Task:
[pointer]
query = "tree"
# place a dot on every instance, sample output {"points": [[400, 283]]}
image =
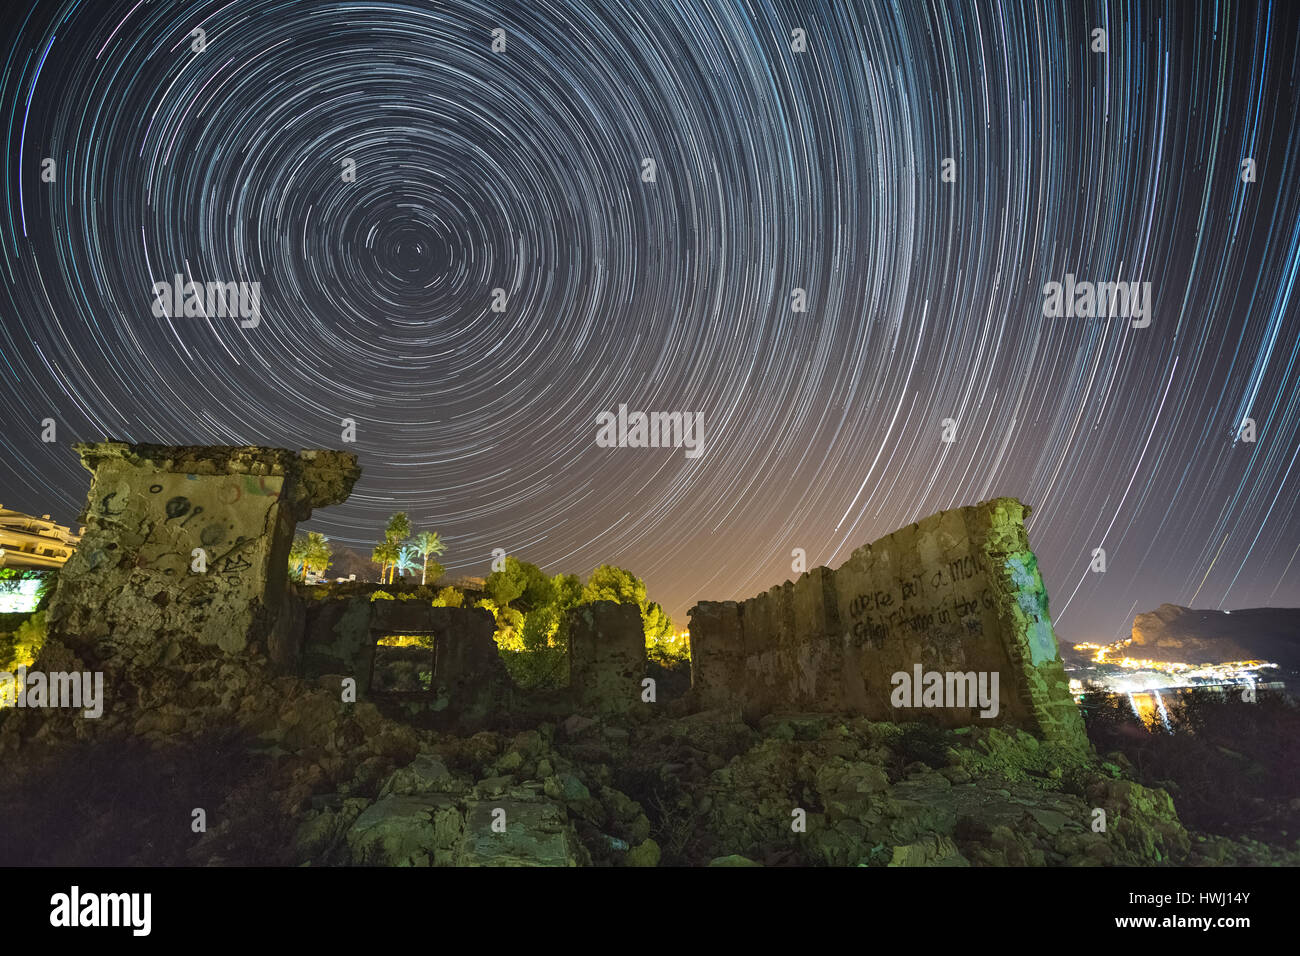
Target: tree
{"points": [[406, 559], [399, 527], [384, 555], [502, 587], [428, 543], [319, 553], [297, 551], [309, 552], [449, 597], [520, 583], [657, 623], [610, 583], [509, 624], [568, 590], [387, 553]]}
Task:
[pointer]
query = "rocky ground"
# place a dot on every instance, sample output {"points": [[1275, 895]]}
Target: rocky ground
{"points": [[708, 789], [287, 775]]}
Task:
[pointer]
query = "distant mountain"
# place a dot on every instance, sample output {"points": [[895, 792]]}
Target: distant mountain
{"points": [[1174, 633], [346, 561]]}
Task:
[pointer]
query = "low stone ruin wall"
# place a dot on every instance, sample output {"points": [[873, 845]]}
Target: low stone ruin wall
{"points": [[958, 593], [469, 683], [607, 661], [468, 680], [180, 586]]}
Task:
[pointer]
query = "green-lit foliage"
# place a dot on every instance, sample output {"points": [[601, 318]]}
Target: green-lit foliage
{"points": [[520, 584], [568, 590], [670, 650], [610, 583], [20, 649], [450, 597], [530, 613], [309, 552]]}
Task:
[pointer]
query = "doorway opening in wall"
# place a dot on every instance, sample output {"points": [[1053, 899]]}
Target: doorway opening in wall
{"points": [[403, 665]]}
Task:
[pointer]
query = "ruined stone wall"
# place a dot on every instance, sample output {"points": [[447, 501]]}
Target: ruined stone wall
{"points": [[469, 681], [957, 592], [179, 591], [133, 593], [470, 685], [607, 659], [337, 639]]}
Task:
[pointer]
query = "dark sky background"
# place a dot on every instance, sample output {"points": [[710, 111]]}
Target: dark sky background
{"points": [[775, 170]]}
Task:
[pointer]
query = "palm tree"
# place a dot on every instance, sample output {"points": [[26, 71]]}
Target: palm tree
{"points": [[317, 553], [297, 557], [384, 555], [397, 531], [406, 560], [428, 543], [310, 552]]}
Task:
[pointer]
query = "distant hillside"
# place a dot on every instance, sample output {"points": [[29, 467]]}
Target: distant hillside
{"points": [[1173, 633], [346, 561]]}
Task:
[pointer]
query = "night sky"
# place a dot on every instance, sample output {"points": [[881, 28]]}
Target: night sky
{"points": [[775, 170]]}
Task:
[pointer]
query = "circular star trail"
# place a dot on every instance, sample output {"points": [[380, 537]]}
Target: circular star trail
{"points": [[460, 247]]}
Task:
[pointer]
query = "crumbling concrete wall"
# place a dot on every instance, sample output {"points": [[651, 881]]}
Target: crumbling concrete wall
{"points": [[607, 659], [337, 639], [189, 545], [470, 684], [958, 592], [469, 681]]}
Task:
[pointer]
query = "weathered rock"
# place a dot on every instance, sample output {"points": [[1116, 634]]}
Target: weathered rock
{"points": [[426, 774], [534, 834], [399, 830], [643, 854], [133, 583], [576, 724], [568, 788], [323, 829], [1140, 820], [929, 851]]}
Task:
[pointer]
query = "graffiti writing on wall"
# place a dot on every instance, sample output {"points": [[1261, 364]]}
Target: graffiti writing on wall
{"points": [[946, 598], [179, 513]]}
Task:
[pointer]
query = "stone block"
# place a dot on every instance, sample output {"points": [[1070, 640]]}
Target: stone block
{"points": [[606, 656]]}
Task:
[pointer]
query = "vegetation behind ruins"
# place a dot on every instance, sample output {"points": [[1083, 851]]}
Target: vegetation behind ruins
{"points": [[1231, 766]]}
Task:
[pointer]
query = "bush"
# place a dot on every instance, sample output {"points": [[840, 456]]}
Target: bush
{"points": [[20, 648], [670, 650], [450, 597], [1232, 766]]}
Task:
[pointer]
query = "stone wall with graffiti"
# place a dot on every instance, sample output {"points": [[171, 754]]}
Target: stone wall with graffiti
{"points": [[957, 593], [189, 545]]}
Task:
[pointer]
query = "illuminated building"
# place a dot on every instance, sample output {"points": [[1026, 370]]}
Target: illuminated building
{"points": [[34, 543]]}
